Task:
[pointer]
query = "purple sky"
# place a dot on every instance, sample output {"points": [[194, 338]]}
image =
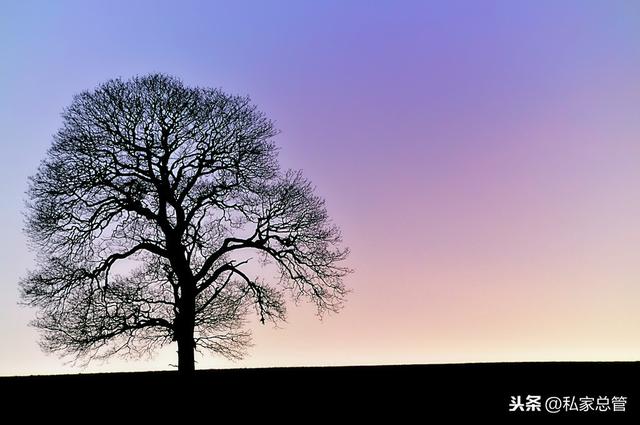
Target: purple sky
{"points": [[482, 159]]}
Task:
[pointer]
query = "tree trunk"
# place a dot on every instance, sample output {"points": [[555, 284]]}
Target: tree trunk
{"points": [[184, 334], [184, 322], [186, 360]]}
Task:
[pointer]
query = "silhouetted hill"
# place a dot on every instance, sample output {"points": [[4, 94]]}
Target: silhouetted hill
{"points": [[330, 393]]}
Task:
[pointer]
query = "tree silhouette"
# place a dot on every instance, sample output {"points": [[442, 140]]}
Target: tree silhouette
{"points": [[144, 216]]}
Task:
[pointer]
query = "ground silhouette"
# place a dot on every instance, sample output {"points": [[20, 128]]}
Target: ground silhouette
{"points": [[481, 390]]}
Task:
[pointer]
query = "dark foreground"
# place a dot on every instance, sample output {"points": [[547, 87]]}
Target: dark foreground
{"points": [[334, 394]]}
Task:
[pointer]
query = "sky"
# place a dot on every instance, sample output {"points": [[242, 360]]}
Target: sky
{"points": [[481, 158]]}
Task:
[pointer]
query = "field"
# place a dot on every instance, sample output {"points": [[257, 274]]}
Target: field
{"points": [[336, 393]]}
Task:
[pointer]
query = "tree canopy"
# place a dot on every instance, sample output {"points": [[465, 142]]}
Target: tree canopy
{"points": [[156, 216]]}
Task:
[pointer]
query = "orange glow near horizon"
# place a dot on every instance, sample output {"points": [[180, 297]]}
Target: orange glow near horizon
{"points": [[484, 166]]}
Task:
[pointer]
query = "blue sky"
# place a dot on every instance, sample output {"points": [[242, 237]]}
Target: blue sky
{"points": [[481, 157]]}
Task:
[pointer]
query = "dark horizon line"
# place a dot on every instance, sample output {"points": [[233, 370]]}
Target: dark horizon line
{"points": [[353, 366]]}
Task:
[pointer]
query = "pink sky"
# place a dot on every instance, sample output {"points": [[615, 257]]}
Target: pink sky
{"points": [[482, 161]]}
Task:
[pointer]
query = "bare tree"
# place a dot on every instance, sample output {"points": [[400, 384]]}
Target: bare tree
{"points": [[144, 216]]}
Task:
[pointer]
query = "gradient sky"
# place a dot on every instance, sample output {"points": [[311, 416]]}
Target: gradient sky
{"points": [[482, 159]]}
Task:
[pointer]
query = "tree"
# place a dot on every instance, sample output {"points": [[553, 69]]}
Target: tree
{"points": [[144, 215]]}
